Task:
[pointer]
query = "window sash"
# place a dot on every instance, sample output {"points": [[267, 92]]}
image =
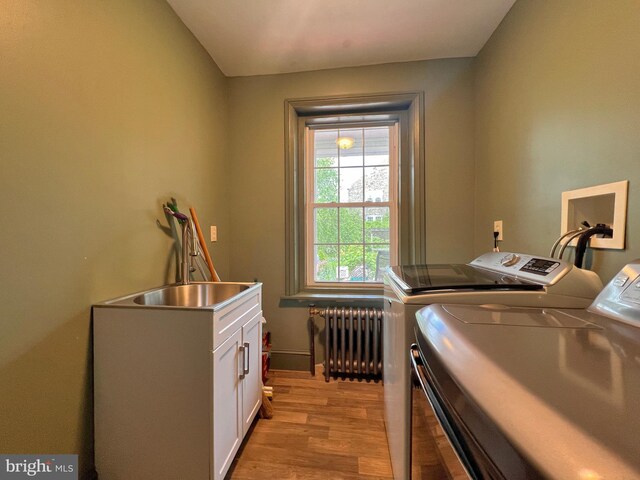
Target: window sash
{"points": [[312, 205]]}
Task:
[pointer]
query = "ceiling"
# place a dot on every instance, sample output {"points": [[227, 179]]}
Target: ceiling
{"points": [[258, 37]]}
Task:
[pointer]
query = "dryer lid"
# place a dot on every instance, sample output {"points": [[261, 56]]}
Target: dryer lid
{"points": [[424, 278]]}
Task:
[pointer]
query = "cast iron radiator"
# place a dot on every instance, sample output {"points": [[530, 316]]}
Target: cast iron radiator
{"points": [[353, 342]]}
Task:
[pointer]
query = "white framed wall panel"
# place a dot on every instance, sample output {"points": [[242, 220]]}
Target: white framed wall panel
{"points": [[605, 203]]}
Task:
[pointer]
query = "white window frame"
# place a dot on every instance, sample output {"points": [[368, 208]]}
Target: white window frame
{"points": [[310, 203]]}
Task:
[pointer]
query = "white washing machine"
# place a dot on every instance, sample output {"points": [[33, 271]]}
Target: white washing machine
{"points": [[493, 278], [526, 393]]}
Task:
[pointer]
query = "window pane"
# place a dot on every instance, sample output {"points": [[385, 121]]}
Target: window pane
{"points": [[376, 260], [325, 148], [351, 184], [376, 146], [326, 225], [326, 263], [376, 225], [351, 226], [326, 188], [351, 263], [352, 156], [376, 184]]}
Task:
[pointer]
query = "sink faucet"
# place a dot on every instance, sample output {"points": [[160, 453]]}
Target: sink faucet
{"points": [[189, 250], [189, 245]]}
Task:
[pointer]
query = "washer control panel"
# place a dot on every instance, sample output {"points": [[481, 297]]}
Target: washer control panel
{"points": [[540, 266], [536, 269]]}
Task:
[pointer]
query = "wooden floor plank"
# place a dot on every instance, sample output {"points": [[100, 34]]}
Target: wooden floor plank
{"points": [[360, 446], [305, 399], [356, 424], [293, 428], [374, 466], [346, 412], [292, 417]]}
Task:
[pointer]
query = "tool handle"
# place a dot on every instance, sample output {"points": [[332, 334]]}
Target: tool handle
{"points": [[207, 257]]}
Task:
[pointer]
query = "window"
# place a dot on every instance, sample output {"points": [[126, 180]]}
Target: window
{"points": [[351, 203], [352, 211]]}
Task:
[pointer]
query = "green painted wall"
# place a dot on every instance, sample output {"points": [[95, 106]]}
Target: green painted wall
{"points": [[107, 110], [256, 155], [557, 106]]}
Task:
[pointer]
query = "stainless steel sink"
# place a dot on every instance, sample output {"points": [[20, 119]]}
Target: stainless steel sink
{"points": [[192, 295]]}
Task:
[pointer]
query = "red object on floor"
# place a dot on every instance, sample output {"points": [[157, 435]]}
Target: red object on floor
{"points": [[266, 355]]}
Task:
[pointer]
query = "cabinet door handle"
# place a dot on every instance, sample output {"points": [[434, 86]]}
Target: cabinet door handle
{"points": [[247, 361], [244, 361]]}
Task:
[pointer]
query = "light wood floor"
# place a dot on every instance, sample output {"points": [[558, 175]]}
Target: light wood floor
{"points": [[318, 431]]}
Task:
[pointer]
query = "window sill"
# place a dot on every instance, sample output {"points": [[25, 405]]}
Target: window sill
{"points": [[326, 299]]}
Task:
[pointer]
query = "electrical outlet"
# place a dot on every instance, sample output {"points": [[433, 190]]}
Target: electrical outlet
{"points": [[214, 233], [497, 227]]}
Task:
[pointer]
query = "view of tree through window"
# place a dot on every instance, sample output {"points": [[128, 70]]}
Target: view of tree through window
{"points": [[350, 204]]}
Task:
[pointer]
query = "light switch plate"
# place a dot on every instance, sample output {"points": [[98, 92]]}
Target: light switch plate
{"points": [[214, 233]]}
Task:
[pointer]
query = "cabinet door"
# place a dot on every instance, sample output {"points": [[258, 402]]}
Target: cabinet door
{"points": [[252, 383], [227, 406]]}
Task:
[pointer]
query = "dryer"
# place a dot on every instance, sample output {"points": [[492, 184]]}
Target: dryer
{"points": [[493, 278], [538, 392]]}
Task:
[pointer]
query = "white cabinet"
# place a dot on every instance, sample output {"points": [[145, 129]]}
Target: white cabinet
{"points": [[175, 389], [237, 391]]}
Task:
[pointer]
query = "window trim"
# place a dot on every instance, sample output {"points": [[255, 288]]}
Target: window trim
{"points": [[408, 108]]}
